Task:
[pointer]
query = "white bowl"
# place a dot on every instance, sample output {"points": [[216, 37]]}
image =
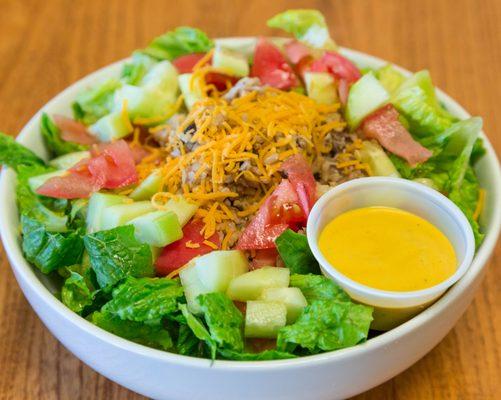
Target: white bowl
{"points": [[393, 308], [163, 375]]}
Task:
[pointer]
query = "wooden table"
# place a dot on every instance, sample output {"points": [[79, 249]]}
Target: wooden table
{"points": [[46, 45]]}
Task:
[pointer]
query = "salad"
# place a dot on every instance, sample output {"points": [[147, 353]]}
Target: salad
{"points": [[174, 204]]}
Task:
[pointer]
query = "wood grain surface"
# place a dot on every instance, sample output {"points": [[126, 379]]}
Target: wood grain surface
{"points": [[47, 45]]}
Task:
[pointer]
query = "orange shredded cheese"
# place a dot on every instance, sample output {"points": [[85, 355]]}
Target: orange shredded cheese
{"points": [[191, 245], [210, 244]]}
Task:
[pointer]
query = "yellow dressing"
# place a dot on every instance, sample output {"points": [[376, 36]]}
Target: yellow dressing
{"points": [[387, 248]]}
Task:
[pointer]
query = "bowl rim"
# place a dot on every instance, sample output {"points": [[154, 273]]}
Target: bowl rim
{"points": [[381, 295], [23, 270]]}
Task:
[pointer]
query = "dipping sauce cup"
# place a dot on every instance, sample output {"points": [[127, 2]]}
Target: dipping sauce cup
{"points": [[391, 308]]}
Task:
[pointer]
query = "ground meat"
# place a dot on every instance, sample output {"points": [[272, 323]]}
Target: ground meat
{"points": [[242, 87]]}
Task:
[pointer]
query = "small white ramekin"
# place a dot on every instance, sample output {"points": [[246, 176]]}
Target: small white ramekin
{"points": [[392, 308]]}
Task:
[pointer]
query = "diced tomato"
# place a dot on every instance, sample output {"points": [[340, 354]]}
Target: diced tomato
{"points": [[185, 64], [111, 166], [220, 81], [271, 67], [296, 51], [384, 126], [138, 152], [264, 258], [241, 305], [176, 254], [337, 65], [301, 178], [343, 88], [303, 65], [258, 345], [73, 131]]}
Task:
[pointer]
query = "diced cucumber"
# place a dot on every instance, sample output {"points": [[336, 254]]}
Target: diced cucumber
{"points": [[122, 214], [230, 62], [97, 203], [147, 188], [158, 228], [380, 164], [320, 87], [36, 181], [190, 90], [155, 252], [250, 285], [162, 77], [263, 319], [182, 208], [69, 160], [366, 96], [427, 182], [142, 101], [211, 273], [111, 127], [291, 297]]}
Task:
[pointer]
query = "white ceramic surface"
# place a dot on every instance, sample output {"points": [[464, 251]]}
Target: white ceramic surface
{"points": [[162, 375], [406, 195]]}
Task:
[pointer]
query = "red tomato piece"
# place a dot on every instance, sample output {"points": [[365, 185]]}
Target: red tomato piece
{"points": [[73, 131], [337, 65], [185, 64], [111, 166], [271, 67], [176, 254], [220, 81], [299, 174], [384, 126], [296, 51], [264, 258]]}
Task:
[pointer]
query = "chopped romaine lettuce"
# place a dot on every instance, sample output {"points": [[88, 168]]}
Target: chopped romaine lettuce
{"points": [[224, 320], [390, 78], [145, 299], [14, 154], [75, 294], [115, 254], [149, 335], [318, 287], [134, 71], [306, 25], [52, 138], [295, 252], [326, 325], [95, 102], [265, 355], [199, 330], [49, 251], [417, 101], [179, 42], [188, 344]]}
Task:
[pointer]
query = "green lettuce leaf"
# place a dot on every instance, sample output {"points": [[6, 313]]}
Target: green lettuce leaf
{"points": [[224, 319], [295, 252], [145, 299], [265, 355], [134, 71], [306, 25], [115, 254], [417, 101], [14, 154], [188, 344], [390, 78], [326, 325], [32, 205], [179, 42], [95, 102], [149, 335], [199, 330], [52, 138], [318, 287], [49, 251], [75, 294]]}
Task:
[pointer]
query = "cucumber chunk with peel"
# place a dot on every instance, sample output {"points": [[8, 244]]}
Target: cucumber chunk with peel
{"points": [[191, 91], [158, 228], [321, 87], [36, 181], [230, 62], [98, 202], [147, 188], [111, 127], [122, 214], [182, 208], [380, 164], [250, 285], [291, 297], [365, 96], [69, 160], [263, 319], [211, 272]]}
